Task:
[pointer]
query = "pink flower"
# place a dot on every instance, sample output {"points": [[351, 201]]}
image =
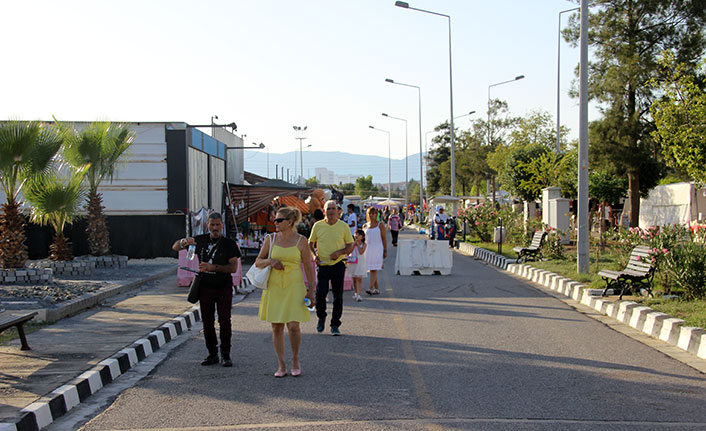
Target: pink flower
{"points": [[665, 251], [654, 250], [637, 258], [477, 223]]}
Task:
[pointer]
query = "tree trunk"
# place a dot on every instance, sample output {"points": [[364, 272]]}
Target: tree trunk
{"points": [[634, 195], [60, 248], [97, 229], [13, 251]]}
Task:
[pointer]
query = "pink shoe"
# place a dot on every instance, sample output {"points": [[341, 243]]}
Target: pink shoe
{"points": [[296, 372], [280, 374]]}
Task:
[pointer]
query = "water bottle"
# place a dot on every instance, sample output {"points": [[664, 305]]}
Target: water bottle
{"points": [[191, 252], [307, 302]]}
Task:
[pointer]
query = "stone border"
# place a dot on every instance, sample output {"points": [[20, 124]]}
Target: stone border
{"points": [[20, 276], [653, 323], [47, 409], [65, 267], [110, 261]]}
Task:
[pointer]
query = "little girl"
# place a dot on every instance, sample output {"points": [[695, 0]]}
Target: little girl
{"points": [[356, 264]]}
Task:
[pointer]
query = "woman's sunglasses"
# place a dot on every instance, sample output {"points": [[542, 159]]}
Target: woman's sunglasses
{"points": [[280, 219]]}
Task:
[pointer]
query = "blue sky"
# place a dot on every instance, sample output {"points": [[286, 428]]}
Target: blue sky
{"points": [[269, 65]]}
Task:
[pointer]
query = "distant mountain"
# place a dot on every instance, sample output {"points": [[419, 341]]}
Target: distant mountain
{"points": [[339, 162]]}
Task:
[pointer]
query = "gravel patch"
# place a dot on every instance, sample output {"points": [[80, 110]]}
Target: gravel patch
{"points": [[69, 287]]}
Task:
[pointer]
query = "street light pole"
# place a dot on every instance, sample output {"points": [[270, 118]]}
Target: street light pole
{"points": [[582, 262], [300, 133], [406, 171], [421, 156], [517, 78], [405, 5], [389, 164], [558, 87]]}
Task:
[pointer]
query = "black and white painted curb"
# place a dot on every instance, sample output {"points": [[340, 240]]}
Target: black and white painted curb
{"points": [[54, 405], [653, 323]]}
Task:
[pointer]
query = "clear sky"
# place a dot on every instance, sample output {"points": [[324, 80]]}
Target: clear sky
{"points": [[269, 65]]}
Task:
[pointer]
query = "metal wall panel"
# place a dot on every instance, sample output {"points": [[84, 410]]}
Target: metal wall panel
{"points": [[198, 179], [217, 178]]}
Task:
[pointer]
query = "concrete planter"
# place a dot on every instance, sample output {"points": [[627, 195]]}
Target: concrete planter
{"points": [[26, 276], [68, 267], [111, 261]]}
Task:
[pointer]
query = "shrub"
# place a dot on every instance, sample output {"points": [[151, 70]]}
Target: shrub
{"points": [[686, 266], [553, 248]]}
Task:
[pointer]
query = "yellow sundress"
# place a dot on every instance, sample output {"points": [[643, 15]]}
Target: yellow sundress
{"points": [[283, 300]]}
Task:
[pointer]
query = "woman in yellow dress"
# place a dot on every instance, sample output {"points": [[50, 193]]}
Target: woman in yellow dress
{"points": [[283, 300]]}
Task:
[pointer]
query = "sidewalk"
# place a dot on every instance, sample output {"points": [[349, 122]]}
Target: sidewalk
{"points": [[67, 349]]}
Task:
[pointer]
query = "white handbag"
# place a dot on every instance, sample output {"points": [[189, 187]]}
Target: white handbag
{"points": [[259, 276]]}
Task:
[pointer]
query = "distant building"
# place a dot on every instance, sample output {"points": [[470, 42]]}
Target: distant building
{"points": [[325, 176]]}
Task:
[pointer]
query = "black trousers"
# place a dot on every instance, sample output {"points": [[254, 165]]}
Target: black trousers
{"points": [[210, 300], [330, 274], [395, 233]]}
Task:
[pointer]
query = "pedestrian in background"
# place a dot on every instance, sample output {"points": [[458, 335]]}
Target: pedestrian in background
{"points": [[357, 267], [394, 223], [282, 303], [376, 252], [352, 219], [331, 241], [218, 259]]}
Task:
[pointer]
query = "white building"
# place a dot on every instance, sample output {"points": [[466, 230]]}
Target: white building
{"points": [[325, 176]]}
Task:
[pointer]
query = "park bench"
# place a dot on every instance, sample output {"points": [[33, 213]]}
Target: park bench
{"points": [[534, 251], [638, 273], [18, 322]]}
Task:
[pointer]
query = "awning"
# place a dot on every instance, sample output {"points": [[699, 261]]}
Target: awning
{"points": [[248, 200]]}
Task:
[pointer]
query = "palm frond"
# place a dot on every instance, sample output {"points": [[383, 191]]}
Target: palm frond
{"points": [[55, 200]]}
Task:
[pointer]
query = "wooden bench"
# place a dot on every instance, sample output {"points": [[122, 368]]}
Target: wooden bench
{"points": [[534, 251], [638, 273], [18, 322]]}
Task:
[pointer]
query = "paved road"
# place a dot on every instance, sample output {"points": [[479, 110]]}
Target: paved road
{"points": [[475, 350]]}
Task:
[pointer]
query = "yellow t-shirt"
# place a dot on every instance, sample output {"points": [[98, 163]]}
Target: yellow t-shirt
{"points": [[330, 238]]}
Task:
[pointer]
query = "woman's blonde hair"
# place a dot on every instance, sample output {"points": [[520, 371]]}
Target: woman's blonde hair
{"points": [[292, 214], [369, 212]]}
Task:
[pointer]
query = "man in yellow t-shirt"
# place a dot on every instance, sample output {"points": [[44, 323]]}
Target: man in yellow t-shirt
{"points": [[330, 241]]}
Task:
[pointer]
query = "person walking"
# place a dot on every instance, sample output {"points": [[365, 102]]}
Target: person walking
{"points": [[376, 253], [218, 259], [331, 241], [282, 303], [394, 223], [357, 267], [352, 219]]}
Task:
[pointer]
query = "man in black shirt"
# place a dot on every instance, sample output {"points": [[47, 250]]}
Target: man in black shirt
{"points": [[218, 257]]}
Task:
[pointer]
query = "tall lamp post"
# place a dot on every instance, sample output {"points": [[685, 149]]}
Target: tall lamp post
{"points": [[406, 168], [558, 74], [517, 78], [405, 5], [582, 258], [299, 133], [389, 164], [421, 156]]}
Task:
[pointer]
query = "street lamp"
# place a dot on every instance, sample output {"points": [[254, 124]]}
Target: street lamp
{"points": [[558, 73], [465, 115], [421, 157], [517, 78], [406, 169], [299, 133], [405, 5], [389, 164]]}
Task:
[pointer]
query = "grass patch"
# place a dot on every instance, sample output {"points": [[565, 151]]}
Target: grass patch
{"points": [[11, 333], [693, 312]]}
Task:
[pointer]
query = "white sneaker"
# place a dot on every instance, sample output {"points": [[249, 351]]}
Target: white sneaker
{"points": [[355, 295], [358, 298]]}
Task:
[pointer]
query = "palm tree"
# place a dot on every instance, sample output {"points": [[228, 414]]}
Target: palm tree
{"points": [[97, 147], [26, 149], [56, 201]]}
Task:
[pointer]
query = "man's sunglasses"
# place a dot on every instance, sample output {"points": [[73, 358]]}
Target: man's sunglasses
{"points": [[280, 219]]}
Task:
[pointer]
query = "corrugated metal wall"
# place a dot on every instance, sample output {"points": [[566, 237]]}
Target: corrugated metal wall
{"points": [[198, 179]]}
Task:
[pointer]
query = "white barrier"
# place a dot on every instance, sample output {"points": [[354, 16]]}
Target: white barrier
{"points": [[423, 256]]}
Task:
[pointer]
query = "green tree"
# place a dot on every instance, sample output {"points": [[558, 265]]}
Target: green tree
{"points": [[26, 150], [347, 188], [438, 161], [312, 182], [520, 175], [627, 37], [680, 119], [98, 148], [364, 187], [56, 201]]}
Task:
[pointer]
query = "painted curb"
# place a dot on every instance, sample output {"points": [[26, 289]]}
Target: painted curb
{"points": [[50, 407], [653, 323]]}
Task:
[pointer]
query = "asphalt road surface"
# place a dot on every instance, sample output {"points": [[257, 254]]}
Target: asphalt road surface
{"points": [[478, 349]]}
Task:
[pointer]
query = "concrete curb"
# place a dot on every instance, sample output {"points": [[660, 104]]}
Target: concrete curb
{"points": [[54, 405], [653, 323]]}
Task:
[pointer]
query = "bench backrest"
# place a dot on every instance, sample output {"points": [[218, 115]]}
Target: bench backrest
{"points": [[538, 239], [640, 259]]}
